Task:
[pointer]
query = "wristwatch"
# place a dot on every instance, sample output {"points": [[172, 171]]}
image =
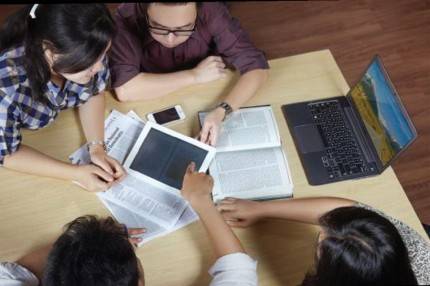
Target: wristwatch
{"points": [[102, 143], [227, 108]]}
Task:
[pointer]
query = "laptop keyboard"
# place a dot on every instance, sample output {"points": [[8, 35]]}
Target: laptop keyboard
{"points": [[343, 156]]}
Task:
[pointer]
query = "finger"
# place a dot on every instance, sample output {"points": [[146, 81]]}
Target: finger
{"points": [[204, 133], [220, 65], [229, 200], [116, 166], [217, 59], [135, 231], [135, 240], [213, 136], [191, 168], [104, 165], [234, 223], [101, 186], [102, 174], [226, 207]]}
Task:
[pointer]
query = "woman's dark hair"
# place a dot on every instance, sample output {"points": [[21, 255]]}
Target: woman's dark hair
{"points": [[94, 252], [360, 248], [78, 33]]}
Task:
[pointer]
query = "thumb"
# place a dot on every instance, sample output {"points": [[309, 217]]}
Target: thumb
{"points": [[191, 168]]}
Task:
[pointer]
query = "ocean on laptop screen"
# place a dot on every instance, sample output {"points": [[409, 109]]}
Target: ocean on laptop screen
{"points": [[381, 112]]}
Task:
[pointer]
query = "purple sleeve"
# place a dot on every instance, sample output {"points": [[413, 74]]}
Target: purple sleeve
{"points": [[126, 52], [232, 42]]}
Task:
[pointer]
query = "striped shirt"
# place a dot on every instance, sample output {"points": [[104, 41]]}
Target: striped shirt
{"points": [[18, 108]]}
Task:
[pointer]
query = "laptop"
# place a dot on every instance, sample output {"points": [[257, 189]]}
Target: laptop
{"points": [[352, 136]]}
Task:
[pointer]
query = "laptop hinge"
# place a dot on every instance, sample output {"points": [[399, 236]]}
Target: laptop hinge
{"points": [[367, 150]]}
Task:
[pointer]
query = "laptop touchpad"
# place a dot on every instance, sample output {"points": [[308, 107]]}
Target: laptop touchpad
{"points": [[308, 138]]}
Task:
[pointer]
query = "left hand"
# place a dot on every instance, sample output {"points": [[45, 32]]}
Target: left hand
{"points": [[100, 158], [212, 125]]}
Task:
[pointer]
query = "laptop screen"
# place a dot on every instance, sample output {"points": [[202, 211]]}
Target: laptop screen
{"points": [[383, 115]]}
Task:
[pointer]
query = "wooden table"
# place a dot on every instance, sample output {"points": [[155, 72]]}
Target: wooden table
{"points": [[34, 209]]}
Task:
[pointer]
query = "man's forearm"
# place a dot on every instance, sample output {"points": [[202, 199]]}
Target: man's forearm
{"points": [[246, 87], [146, 86]]}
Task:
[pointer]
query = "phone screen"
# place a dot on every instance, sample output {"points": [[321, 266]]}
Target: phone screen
{"points": [[166, 116]]}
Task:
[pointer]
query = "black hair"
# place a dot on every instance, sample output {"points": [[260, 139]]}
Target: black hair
{"points": [[92, 252], [360, 248], [78, 33]]}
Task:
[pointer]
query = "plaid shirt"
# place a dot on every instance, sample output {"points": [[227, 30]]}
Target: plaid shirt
{"points": [[17, 107]]}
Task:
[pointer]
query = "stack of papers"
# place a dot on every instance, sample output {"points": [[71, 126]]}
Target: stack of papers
{"points": [[135, 202]]}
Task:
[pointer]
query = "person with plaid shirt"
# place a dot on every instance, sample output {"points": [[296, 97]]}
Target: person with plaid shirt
{"points": [[53, 57]]}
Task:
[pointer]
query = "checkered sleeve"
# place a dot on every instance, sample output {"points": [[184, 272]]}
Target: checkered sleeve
{"points": [[103, 78], [10, 135]]}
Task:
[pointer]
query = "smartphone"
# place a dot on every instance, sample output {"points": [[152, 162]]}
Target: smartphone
{"points": [[167, 116]]}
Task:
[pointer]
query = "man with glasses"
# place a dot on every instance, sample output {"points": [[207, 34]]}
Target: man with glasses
{"points": [[161, 47]]}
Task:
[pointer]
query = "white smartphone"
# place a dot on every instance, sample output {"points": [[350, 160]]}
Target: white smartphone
{"points": [[167, 116]]}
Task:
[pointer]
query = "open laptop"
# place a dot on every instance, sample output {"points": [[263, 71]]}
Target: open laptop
{"points": [[351, 136]]}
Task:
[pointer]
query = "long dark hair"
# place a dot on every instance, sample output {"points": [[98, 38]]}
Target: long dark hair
{"points": [[92, 251], [79, 33], [360, 248]]}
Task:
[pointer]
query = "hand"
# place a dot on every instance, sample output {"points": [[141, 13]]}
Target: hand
{"points": [[212, 126], [107, 163], [135, 231], [92, 178], [211, 68], [238, 212], [197, 187]]}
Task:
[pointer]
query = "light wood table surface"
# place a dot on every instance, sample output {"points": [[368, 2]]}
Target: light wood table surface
{"points": [[33, 209]]}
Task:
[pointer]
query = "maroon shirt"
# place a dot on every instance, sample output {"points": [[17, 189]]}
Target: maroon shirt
{"points": [[217, 33]]}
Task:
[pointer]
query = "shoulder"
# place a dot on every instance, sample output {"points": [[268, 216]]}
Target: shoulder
{"points": [[15, 274], [418, 247], [13, 76], [209, 10], [234, 269]]}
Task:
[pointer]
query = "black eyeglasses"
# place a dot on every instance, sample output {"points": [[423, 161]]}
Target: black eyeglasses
{"points": [[165, 32]]}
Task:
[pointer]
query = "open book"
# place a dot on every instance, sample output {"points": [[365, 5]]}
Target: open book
{"points": [[141, 200], [250, 162]]}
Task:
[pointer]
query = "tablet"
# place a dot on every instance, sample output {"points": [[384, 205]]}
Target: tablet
{"points": [[163, 155]]}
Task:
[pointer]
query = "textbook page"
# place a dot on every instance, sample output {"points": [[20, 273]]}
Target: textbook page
{"points": [[251, 174], [248, 128], [153, 230], [146, 200]]}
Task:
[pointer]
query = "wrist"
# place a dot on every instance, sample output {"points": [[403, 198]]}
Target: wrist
{"points": [[192, 77], [96, 146], [201, 204]]}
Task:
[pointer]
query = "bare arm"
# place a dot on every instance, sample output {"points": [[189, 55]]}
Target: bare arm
{"points": [[244, 89], [31, 161], [242, 213], [196, 190], [92, 119], [150, 85]]}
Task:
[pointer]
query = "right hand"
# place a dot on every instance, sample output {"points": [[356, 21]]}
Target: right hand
{"points": [[211, 68], [93, 178], [197, 187], [239, 212]]}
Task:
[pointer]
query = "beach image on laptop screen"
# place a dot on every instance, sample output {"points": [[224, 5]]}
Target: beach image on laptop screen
{"points": [[382, 113]]}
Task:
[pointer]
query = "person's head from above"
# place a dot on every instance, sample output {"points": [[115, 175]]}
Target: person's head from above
{"points": [[68, 41], [170, 23], [93, 252], [359, 247]]}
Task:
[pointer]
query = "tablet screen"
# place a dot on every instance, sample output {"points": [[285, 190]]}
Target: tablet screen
{"points": [[165, 158]]}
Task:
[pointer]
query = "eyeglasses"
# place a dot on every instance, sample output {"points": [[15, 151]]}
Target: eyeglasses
{"points": [[165, 32]]}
